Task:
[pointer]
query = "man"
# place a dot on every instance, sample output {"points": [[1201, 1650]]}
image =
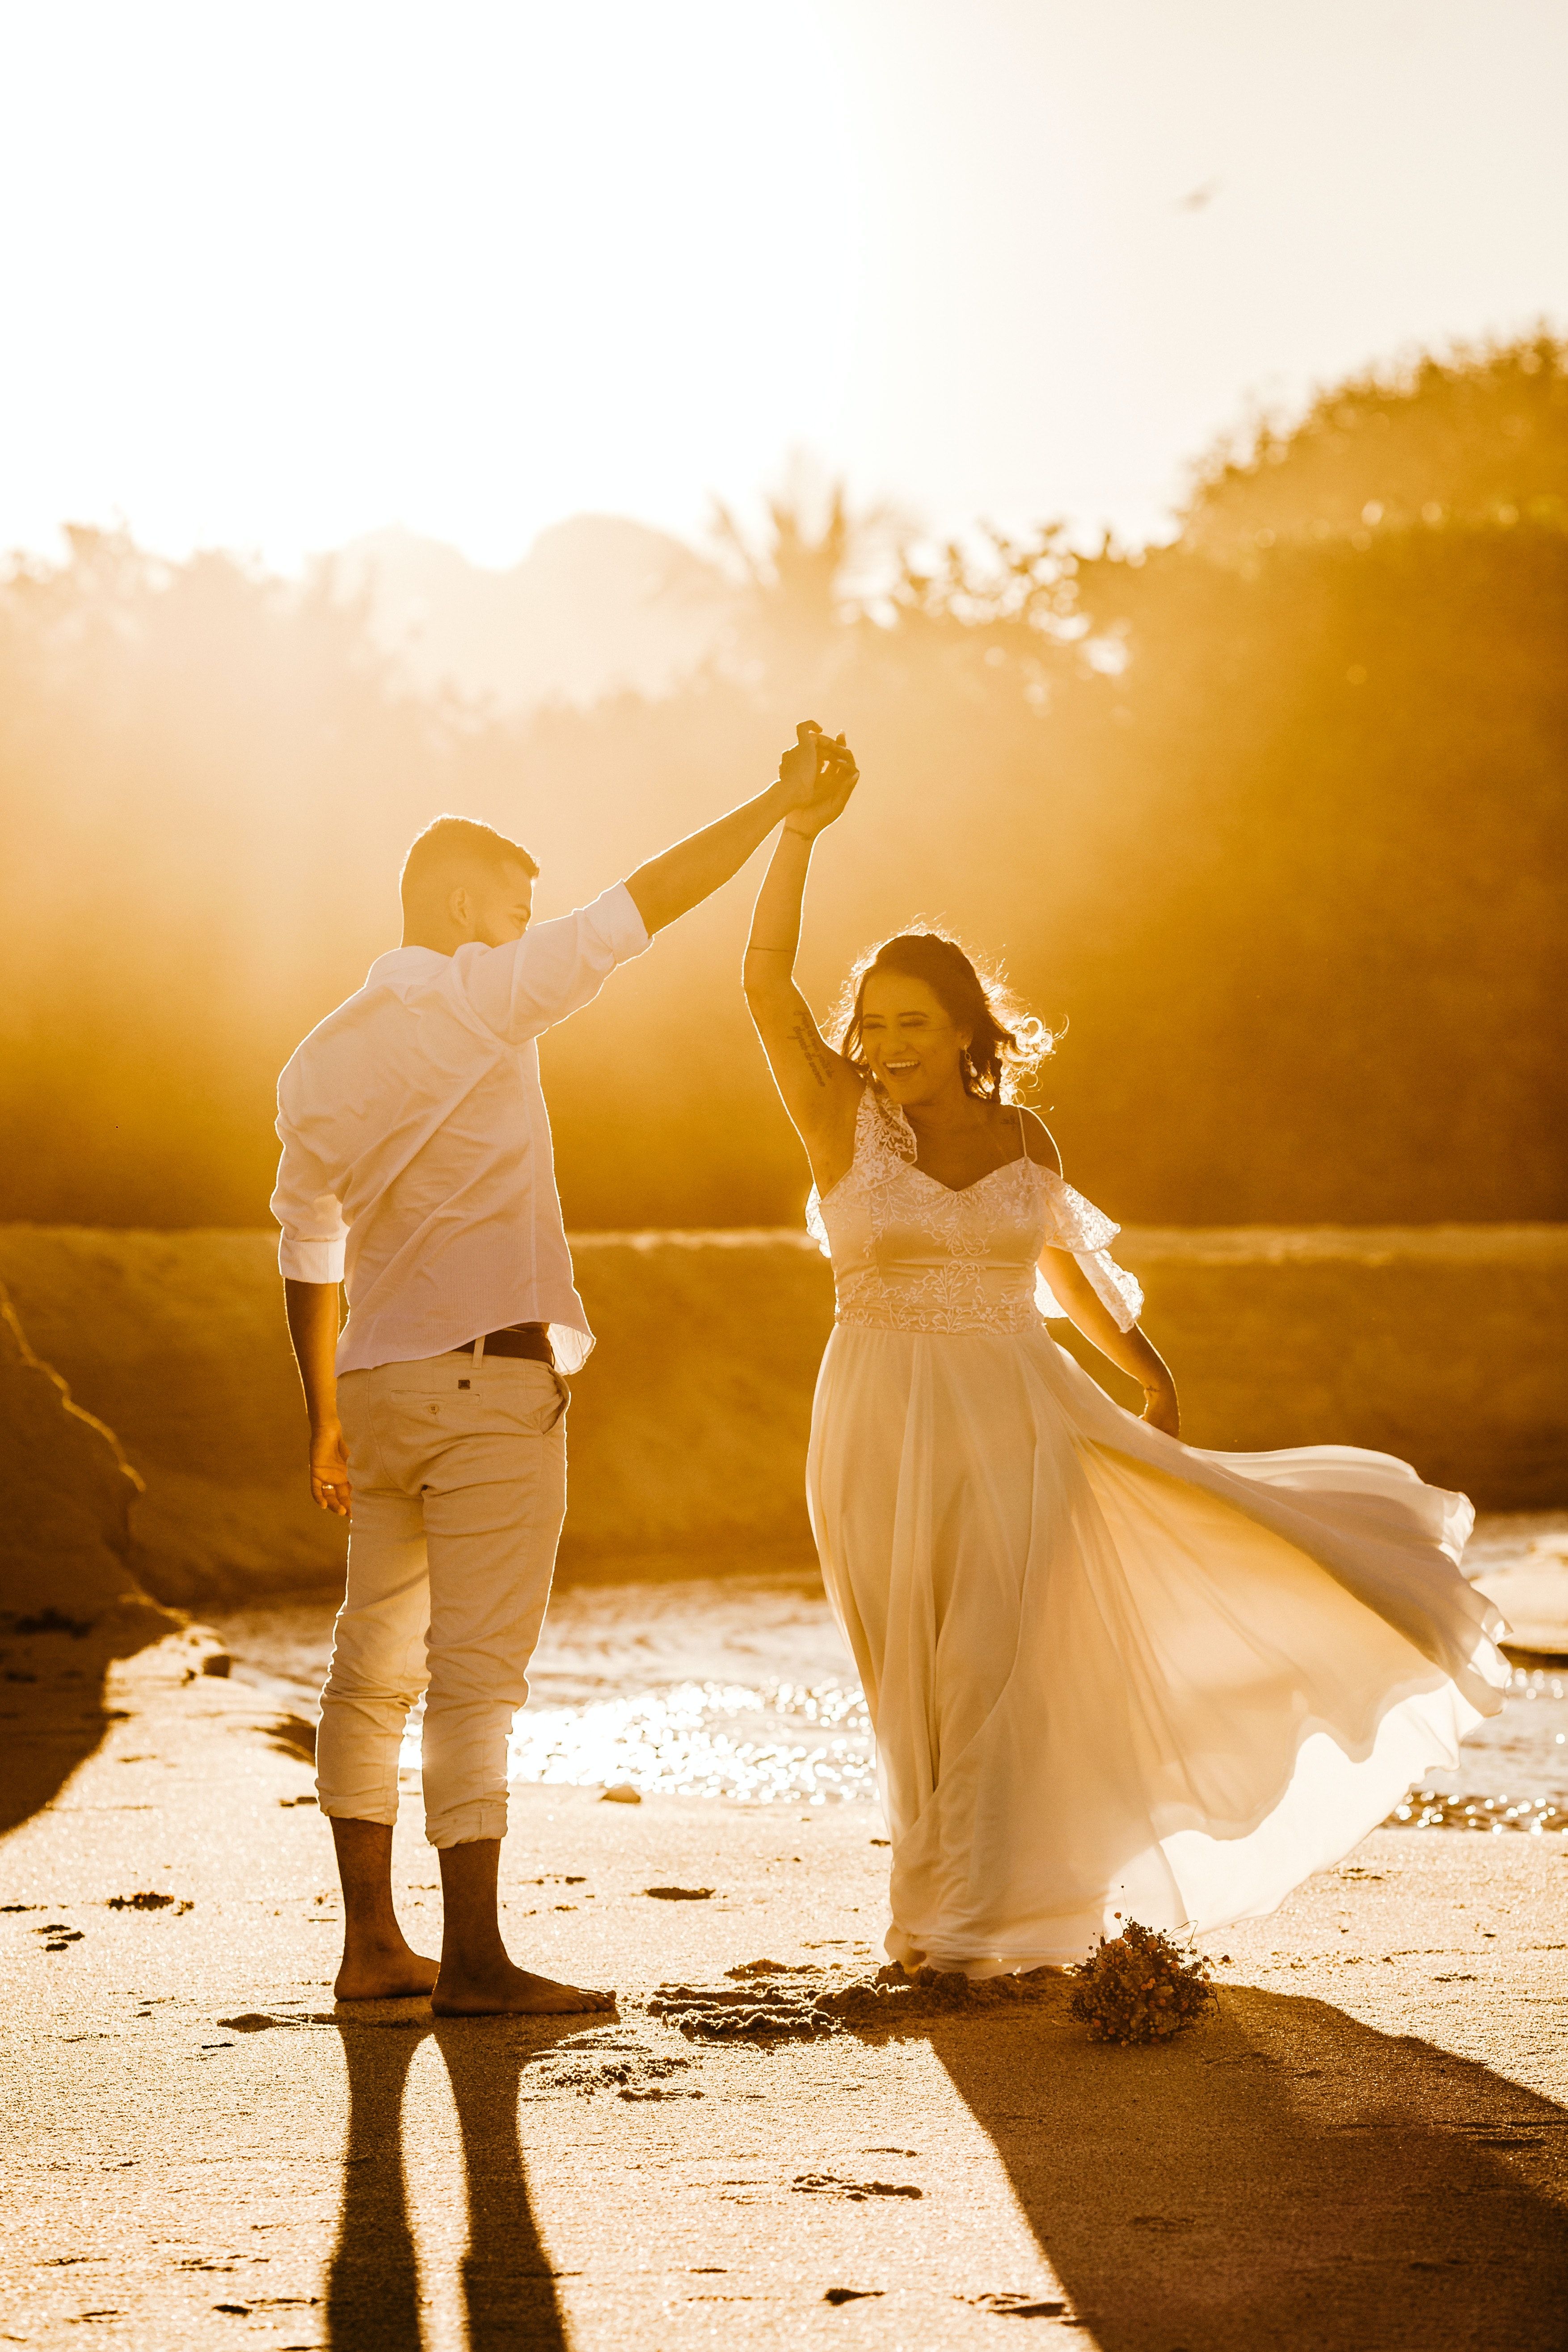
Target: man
{"points": [[416, 1159]]}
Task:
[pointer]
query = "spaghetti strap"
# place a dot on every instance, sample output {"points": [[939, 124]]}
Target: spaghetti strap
{"points": [[1022, 1137]]}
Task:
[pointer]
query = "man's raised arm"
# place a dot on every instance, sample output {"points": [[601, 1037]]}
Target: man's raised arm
{"points": [[680, 878]]}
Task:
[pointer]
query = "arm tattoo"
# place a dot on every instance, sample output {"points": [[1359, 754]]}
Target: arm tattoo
{"points": [[817, 1060]]}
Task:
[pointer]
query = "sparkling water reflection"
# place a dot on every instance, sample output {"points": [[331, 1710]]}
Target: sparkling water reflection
{"points": [[717, 1687], [740, 1687], [708, 1740], [1512, 1773]]}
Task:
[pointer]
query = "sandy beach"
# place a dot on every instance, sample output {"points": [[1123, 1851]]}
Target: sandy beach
{"points": [[781, 800], [1367, 2145]]}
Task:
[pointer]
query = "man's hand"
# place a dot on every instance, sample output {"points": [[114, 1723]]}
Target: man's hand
{"points": [[801, 766], [838, 776], [312, 1310], [814, 769], [330, 1471]]}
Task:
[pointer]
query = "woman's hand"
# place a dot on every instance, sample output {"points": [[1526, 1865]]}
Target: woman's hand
{"points": [[814, 773], [1161, 1410], [837, 778]]}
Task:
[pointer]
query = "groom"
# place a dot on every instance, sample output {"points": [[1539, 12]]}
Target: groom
{"points": [[416, 1157]]}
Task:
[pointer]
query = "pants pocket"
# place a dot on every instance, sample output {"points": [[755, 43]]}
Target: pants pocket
{"points": [[537, 1404]]}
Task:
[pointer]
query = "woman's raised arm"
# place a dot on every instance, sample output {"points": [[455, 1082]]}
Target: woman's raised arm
{"points": [[821, 1091]]}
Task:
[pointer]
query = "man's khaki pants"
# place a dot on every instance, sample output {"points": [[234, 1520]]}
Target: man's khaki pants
{"points": [[459, 1472]]}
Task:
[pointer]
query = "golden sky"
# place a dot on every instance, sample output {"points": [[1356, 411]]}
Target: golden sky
{"points": [[278, 272]]}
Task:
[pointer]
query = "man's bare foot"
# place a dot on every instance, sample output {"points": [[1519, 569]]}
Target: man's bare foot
{"points": [[384, 1972], [503, 1990], [378, 1962]]}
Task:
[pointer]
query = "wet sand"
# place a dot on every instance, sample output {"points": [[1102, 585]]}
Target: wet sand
{"points": [[1368, 2145]]}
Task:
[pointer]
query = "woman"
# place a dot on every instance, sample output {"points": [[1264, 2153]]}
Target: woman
{"points": [[1110, 1676]]}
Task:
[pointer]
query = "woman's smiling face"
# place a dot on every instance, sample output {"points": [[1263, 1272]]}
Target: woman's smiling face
{"points": [[910, 1043]]}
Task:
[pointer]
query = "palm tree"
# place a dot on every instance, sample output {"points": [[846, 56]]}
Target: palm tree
{"points": [[808, 578]]}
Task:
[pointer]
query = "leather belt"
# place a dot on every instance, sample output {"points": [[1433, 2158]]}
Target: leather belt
{"points": [[530, 1340]]}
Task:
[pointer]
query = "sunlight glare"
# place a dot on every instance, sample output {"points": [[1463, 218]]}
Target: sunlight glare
{"points": [[353, 254]]}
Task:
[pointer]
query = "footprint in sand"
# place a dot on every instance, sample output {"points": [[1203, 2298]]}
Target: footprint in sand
{"points": [[827, 2184], [1017, 2307], [625, 2068]]}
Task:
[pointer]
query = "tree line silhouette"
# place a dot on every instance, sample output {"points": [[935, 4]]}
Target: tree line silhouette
{"points": [[1269, 820]]}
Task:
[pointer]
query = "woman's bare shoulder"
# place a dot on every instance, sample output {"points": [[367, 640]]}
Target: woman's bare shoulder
{"points": [[1041, 1143]]}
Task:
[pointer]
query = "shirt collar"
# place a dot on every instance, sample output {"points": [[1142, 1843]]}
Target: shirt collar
{"points": [[403, 963]]}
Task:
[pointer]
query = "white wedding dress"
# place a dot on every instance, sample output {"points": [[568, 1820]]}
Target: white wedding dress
{"points": [[1108, 1674]]}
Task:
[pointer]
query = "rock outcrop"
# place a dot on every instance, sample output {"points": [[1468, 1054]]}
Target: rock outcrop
{"points": [[69, 1600], [65, 1524]]}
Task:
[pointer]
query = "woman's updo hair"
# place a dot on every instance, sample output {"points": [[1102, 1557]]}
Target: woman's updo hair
{"points": [[1005, 1046]]}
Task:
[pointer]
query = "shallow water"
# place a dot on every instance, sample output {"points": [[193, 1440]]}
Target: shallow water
{"points": [[715, 1686], [740, 1687]]}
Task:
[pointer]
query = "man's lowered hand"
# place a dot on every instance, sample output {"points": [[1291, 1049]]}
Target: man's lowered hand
{"points": [[329, 1471]]}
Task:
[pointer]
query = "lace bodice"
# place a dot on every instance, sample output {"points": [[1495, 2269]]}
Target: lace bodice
{"points": [[912, 1255]]}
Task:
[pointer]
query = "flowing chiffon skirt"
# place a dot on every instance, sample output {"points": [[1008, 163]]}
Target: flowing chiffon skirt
{"points": [[1111, 1674]]}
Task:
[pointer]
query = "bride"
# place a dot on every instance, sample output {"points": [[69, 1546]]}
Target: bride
{"points": [[1110, 1676]]}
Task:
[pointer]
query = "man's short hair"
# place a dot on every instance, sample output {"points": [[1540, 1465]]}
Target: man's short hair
{"points": [[451, 847]]}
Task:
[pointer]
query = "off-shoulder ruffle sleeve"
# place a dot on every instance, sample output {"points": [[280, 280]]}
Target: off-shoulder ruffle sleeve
{"points": [[1076, 1226]]}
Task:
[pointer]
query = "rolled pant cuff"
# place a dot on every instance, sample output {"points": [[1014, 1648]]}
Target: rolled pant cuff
{"points": [[384, 1815], [465, 1824]]}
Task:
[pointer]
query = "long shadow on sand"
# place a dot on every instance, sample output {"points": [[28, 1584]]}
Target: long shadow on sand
{"points": [[1282, 2176], [52, 1710], [373, 2293]]}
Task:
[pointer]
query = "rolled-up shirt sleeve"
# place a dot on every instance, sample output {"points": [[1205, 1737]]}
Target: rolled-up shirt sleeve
{"points": [[314, 1236], [524, 988]]}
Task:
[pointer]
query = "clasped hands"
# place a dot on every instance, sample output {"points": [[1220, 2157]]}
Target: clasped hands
{"points": [[817, 774]]}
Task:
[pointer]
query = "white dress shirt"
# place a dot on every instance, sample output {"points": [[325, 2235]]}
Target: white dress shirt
{"points": [[417, 1155]]}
